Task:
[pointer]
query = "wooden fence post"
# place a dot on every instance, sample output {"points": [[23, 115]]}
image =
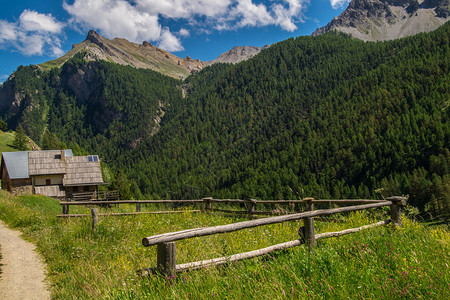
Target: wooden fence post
{"points": [[396, 210], [309, 231], [251, 206], [166, 262], [65, 209], [207, 202], [138, 207], [94, 213]]}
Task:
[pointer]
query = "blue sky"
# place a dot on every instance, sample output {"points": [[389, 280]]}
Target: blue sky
{"points": [[32, 32]]}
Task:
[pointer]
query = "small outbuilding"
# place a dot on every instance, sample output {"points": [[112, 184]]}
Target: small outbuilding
{"points": [[54, 173]]}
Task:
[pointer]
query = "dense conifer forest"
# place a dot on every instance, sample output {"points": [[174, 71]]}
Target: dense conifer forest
{"points": [[324, 117]]}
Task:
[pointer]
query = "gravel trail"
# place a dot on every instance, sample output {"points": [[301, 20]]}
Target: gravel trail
{"points": [[22, 271]]}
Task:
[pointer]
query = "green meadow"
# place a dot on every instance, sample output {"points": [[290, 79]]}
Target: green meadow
{"points": [[85, 263], [6, 141]]}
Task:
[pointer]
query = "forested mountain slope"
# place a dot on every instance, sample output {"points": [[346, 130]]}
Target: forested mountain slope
{"points": [[328, 116], [102, 106]]}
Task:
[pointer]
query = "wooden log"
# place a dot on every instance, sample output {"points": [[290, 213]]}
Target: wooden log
{"points": [[236, 257], [399, 200], [346, 201], [251, 203], [321, 201], [65, 209], [396, 210], [130, 214], [166, 262], [96, 202], [169, 201], [348, 231], [94, 213], [264, 251], [207, 202], [138, 207], [149, 241], [308, 224], [228, 200], [279, 201]]}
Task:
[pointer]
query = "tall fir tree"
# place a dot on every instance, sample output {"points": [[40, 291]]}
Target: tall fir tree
{"points": [[20, 139]]}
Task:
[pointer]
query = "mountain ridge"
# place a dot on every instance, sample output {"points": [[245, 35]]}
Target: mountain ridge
{"points": [[123, 52], [237, 54], [380, 20]]}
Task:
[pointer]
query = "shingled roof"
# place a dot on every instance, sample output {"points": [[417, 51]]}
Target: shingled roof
{"points": [[46, 162], [83, 170]]}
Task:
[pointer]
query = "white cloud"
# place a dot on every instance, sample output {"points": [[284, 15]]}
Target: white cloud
{"points": [[33, 34], [139, 20], [34, 21], [335, 4], [251, 14], [169, 42], [184, 32], [3, 78], [185, 8], [115, 18]]}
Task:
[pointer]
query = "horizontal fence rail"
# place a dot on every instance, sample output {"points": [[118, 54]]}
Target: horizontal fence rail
{"points": [[165, 242], [171, 237], [250, 204], [263, 251]]}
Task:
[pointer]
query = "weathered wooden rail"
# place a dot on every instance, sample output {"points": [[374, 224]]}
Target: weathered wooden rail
{"points": [[66, 204], [207, 205], [166, 263]]}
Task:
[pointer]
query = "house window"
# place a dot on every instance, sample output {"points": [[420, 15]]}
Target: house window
{"points": [[93, 158], [48, 182]]}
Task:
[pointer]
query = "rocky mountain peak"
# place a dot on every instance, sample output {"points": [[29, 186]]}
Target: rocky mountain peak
{"points": [[237, 54], [375, 20]]}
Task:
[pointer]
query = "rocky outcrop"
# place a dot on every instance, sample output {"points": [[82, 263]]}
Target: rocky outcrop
{"points": [[121, 51], [379, 20], [237, 54]]}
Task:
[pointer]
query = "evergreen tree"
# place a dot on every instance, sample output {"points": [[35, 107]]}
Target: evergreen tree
{"points": [[123, 185], [20, 139], [3, 125]]}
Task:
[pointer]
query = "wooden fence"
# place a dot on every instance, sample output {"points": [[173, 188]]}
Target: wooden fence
{"points": [[207, 203], [66, 204], [166, 263]]}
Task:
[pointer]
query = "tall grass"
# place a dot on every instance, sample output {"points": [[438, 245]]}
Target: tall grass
{"points": [[411, 262]]}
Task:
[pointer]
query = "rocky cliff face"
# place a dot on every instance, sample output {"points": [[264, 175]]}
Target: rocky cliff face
{"points": [[237, 54], [121, 51], [379, 20]]}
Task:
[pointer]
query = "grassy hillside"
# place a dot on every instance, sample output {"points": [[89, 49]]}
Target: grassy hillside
{"points": [[374, 264], [6, 141]]}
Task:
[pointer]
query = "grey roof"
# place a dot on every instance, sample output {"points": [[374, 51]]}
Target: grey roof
{"points": [[16, 163], [46, 162], [81, 171]]}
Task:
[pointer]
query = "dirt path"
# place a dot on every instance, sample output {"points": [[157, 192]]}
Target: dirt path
{"points": [[23, 272]]}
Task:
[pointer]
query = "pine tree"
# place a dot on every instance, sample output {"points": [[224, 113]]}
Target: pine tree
{"points": [[20, 139], [3, 125]]}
